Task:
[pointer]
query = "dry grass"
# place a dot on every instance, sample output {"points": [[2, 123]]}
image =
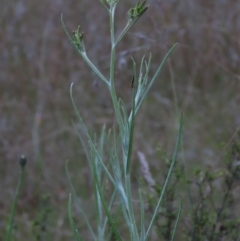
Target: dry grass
{"points": [[38, 64]]}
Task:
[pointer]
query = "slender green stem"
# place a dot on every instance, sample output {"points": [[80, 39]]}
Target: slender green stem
{"points": [[131, 132], [177, 221], [84, 55], [106, 208], [112, 33], [112, 70], [134, 231], [94, 68], [13, 208], [70, 217]]}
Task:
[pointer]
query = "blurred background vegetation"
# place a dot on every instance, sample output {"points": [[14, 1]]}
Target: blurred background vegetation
{"points": [[38, 63]]}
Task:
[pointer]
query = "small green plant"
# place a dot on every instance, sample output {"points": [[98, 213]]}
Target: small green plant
{"points": [[211, 213], [110, 154]]}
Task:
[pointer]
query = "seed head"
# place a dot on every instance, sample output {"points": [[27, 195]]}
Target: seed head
{"points": [[22, 161]]}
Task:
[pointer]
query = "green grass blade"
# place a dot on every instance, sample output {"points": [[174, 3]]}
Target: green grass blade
{"points": [[177, 221], [97, 197], [105, 207], [161, 66], [174, 159], [110, 206], [142, 235], [74, 230]]}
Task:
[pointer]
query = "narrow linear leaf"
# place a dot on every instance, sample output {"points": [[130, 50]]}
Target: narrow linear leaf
{"points": [[74, 230], [130, 145], [110, 206], [65, 30], [109, 216], [142, 216], [155, 76], [174, 159], [177, 221], [13, 208]]}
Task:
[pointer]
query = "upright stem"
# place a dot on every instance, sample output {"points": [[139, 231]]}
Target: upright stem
{"points": [[120, 121], [112, 70], [112, 33], [13, 208]]}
